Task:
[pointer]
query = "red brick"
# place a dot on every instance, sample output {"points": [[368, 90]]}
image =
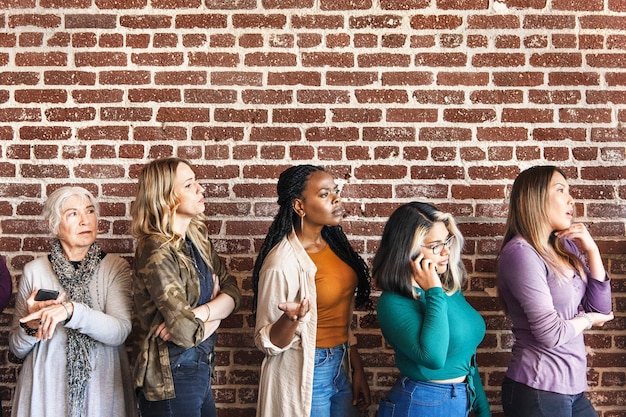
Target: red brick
{"points": [[394, 134], [381, 96], [527, 115], [41, 59], [340, 40], [499, 60], [493, 22], [294, 78], [335, 134], [35, 20], [469, 116], [549, 21], [159, 133], [436, 22], [309, 40], [182, 114], [498, 134], [462, 4], [270, 59], [217, 133], [345, 4], [441, 59], [267, 96], [128, 114], [518, 79], [356, 115], [323, 96], [556, 60], [103, 133], [175, 4], [576, 115], [121, 4], [403, 4], [161, 95], [146, 21], [412, 115], [330, 59], [236, 78], [317, 22], [443, 97], [444, 134], [75, 114], [193, 95], [40, 96], [351, 78], [181, 78], [45, 133], [554, 134], [257, 21], [462, 78], [252, 116], [160, 59], [497, 96], [375, 22], [283, 134]]}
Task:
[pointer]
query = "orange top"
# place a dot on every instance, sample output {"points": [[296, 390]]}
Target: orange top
{"points": [[335, 283]]}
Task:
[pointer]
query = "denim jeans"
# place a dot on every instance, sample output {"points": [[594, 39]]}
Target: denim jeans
{"points": [[332, 391], [410, 398], [192, 383], [520, 400]]}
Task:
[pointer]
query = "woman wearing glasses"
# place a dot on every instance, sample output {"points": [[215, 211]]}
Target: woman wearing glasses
{"points": [[425, 318]]}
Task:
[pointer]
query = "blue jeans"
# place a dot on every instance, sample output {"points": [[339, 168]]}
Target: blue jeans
{"points": [[332, 391], [520, 400], [410, 398], [192, 383]]}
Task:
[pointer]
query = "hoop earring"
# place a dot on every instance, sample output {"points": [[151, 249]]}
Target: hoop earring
{"points": [[302, 223]]}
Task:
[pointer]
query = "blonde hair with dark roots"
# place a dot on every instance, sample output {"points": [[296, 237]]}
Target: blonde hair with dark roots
{"points": [[154, 209]]}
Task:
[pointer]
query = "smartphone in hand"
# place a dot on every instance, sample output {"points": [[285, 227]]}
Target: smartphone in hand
{"points": [[45, 295]]}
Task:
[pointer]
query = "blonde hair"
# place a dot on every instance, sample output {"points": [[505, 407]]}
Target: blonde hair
{"points": [[53, 207], [154, 209]]}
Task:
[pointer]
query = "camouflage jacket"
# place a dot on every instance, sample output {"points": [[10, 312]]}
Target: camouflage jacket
{"points": [[167, 288]]}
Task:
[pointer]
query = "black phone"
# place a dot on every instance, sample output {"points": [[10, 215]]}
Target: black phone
{"points": [[414, 256], [44, 295]]}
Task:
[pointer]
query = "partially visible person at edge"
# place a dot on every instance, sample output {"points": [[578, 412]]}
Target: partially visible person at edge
{"points": [[424, 316], [75, 362], [6, 286], [182, 293], [552, 295], [304, 280]]}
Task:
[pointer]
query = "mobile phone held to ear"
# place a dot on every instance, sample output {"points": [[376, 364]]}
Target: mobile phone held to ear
{"points": [[45, 295]]}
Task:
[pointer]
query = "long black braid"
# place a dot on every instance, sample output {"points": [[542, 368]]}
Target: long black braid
{"points": [[291, 184]]}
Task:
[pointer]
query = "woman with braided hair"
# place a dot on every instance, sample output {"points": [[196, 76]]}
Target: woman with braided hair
{"points": [[306, 281]]}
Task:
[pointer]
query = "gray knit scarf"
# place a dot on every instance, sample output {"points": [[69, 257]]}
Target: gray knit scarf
{"points": [[75, 281]]}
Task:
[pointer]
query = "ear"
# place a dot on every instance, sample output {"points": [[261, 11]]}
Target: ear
{"points": [[298, 207]]}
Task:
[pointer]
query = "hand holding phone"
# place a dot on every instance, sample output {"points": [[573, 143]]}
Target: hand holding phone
{"points": [[45, 295], [424, 272]]}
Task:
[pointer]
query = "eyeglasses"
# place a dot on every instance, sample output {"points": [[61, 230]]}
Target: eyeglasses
{"points": [[438, 248]]}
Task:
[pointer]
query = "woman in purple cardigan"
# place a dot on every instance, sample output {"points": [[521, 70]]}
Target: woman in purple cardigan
{"points": [[551, 295]]}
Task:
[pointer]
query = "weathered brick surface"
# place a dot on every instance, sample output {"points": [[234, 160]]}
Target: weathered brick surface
{"points": [[444, 101]]}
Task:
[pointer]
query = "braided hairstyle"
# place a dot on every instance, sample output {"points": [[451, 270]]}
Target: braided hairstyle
{"points": [[291, 185]]}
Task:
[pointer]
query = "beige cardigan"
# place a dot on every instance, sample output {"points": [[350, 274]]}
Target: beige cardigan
{"points": [[286, 380]]}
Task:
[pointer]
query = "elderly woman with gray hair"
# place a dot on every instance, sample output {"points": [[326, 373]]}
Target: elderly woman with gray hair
{"points": [[72, 316]]}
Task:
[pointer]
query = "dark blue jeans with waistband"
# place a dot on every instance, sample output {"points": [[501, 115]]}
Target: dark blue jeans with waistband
{"points": [[191, 371], [410, 398]]}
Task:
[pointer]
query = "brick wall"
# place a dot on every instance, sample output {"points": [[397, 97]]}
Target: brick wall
{"points": [[438, 100]]}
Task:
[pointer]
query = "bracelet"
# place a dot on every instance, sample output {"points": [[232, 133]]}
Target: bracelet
{"points": [[29, 330], [69, 316], [208, 310], [588, 317]]}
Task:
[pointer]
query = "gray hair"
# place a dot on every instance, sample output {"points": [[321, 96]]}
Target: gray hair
{"points": [[53, 207]]}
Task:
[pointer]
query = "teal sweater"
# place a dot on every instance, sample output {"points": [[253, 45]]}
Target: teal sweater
{"points": [[434, 337]]}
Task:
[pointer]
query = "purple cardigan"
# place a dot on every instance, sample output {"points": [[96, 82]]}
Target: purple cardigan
{"points": [[6, 286], [547, 353]]}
